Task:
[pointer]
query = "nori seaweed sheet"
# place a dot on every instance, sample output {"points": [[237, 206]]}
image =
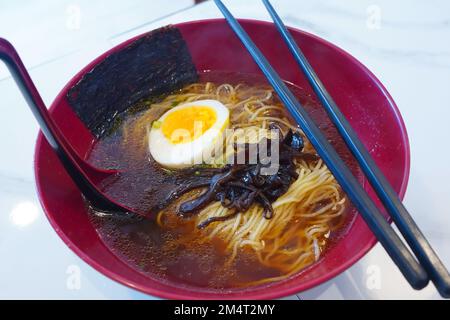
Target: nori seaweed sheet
{"points": [[151, 66]]}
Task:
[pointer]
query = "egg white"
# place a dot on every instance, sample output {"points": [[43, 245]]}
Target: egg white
{"points": [[181, 155]]}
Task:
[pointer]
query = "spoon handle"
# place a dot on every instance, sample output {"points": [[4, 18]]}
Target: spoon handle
{"points": [[83, 174]]}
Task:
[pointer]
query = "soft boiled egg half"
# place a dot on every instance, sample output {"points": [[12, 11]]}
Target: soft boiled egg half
{"points": [[185, 134]]}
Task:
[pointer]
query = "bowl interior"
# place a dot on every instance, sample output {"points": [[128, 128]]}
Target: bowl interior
{"points": [[213, 46]]}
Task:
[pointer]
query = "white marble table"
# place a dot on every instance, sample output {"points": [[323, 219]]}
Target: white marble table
{"points": [[405, 43]]}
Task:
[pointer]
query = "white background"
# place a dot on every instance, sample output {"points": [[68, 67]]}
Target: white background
{"points": [[405, 43]]}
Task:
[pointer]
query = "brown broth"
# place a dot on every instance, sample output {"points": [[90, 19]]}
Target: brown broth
{"points": [[154, 251]]}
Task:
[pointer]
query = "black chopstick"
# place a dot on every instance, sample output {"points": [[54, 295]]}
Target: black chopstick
{"points": [[399, 253], [405, 223]]}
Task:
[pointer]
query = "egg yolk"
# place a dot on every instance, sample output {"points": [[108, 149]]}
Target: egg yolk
{"points": [[188, 124]]}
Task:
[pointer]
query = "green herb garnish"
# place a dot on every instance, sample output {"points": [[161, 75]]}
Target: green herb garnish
{"points": [[156, 124]]}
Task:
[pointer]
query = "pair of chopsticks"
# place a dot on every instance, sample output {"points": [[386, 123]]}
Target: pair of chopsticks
{"points": [[417, 272]]}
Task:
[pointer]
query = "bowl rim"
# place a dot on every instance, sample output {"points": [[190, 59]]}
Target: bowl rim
{"points": [[264, 292]]}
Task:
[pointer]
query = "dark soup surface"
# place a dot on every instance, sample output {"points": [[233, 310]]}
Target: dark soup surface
{"points": [[217, 225]]}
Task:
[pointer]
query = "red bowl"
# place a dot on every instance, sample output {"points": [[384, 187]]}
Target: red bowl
{"points": [[362, 98]]}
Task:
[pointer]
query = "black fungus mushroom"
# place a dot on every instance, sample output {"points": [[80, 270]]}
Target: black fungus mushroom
{"points": [[239, 186]]}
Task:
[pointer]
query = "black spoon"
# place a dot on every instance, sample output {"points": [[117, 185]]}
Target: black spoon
{"points": [[85, 176]]}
